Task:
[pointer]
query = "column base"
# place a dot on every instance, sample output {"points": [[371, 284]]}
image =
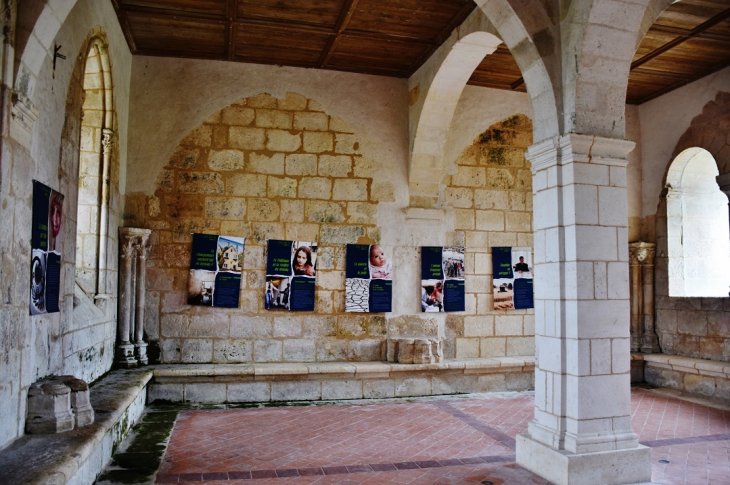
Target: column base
{"points": [[125, 356], [141, 348], [617, 467]]}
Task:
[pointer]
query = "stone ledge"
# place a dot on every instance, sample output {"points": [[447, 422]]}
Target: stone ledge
{"points": [[80, 455], [695, 376], [213, 383]]}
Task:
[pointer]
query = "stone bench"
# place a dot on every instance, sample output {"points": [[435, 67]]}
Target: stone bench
{"points": [[212, 383], [708, 378], [78, 456]]}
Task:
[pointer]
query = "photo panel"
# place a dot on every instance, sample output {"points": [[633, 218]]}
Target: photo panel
{"points": [[290, 275], [216, 264], [442, 279], [368, 279], [46, 249]]}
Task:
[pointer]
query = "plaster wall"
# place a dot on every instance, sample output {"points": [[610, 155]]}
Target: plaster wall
{"points": [[60, 343]]}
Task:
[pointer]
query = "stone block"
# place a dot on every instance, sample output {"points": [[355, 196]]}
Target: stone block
{"points": [[699, 384], [383, 192], [49, 408], [263, 210], [508, 325], [199, 183], [463, 219], [491, 199], [335, 165], [288, 326], [220, 160], [365, 167], [493, 347], [491, 383], [232, 351], [200, 136], [292, 211], [500, 178], [251, 327], [292, 102], [350, 189], [518, 221], [197, 350], [319, 211], [249, 392], [346, 143], [237, 115], [336, 124], [413, 386], [341, 234], [367, 350], [246, 185], [246, 138], [406, 351], [317, 142], [378, 388], [296, 391], [299, 350], [315, 188], [261, 163], [267, 351], [270, 118], [282, 187], [331, 350], [520, 345], [361, 213], [301, 164], [225, 208], [165, 392], [183, 157], [454, 384], [459, 197], [469, 177], [263, 100], [478, 326], [211, 393], [342, 389], [311, 121], [489, 220], [283, 141]]}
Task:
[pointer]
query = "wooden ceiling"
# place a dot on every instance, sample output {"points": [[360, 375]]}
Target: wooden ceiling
{"points": [[395, 37]]}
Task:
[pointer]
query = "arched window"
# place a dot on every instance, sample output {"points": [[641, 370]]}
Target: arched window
{"points": [[698, 231], [92, 238]]}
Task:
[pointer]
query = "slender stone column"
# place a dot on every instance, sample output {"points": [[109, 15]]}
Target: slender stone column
{"points": [[581, 432], [139, 343], [130, 322], [107, 143], [637, 298], [649, 338], [125, 349]]}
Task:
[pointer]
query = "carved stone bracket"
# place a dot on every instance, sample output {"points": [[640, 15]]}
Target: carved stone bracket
{"points": [[131, 348], [643, 332]]}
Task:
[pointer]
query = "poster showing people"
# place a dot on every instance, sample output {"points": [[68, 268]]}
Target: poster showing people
{"points": [[46, 249], [442, 279], [216, 263], [512, 278], [290, 275], [368, 279]]}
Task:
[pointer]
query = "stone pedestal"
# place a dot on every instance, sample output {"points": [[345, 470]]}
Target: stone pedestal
{"points": [[80, 402], [49, 408], [131, 348], [415, 351], [582, 423]]}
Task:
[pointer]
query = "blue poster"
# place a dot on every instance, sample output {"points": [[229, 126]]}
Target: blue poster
{"points": [[512, 278], [290, 275], [442, 279], [368, 279], [216, 263], [46, 250]]}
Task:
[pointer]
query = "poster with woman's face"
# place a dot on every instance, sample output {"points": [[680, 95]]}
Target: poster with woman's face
{"points": [[46, 249], [290, 275]]}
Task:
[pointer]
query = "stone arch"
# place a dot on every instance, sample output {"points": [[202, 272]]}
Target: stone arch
{"points": [[601, 55], [94, 166], [32, 50], [697, 227], [427, 163]]}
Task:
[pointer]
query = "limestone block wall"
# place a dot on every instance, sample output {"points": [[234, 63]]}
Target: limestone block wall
{"points": [[490, 191], [284, 168], [38, 143]]}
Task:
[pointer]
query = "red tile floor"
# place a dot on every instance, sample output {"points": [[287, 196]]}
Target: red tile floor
{"points": [[441, 441]]}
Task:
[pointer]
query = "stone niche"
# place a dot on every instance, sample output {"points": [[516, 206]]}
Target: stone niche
{"points": [[57, 404]]}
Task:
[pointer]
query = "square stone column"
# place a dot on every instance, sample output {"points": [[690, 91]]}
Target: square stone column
{"points": [[581, 432]]}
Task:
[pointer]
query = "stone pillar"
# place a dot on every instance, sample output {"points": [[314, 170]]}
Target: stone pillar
{"points": [[637, 298], [130, 239], [581, 432], [649, 339], [140, 345]]}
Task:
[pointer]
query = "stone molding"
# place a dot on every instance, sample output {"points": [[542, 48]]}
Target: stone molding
{"points": [[579, 148], [418, 215]]}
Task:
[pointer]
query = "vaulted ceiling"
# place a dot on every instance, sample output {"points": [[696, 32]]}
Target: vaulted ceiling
{"points": [[690, 39]]}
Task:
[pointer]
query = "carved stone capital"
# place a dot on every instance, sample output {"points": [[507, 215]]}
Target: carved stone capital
{"points": [[642, 253], [107, 139]]}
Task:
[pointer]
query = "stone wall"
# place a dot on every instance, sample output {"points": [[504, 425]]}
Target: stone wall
{"points": [[283, 168]]}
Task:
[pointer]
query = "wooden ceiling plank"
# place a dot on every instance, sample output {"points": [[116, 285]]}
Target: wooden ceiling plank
{"points": [[666, 29], [692, 33], [688, 80], [174, 13], [230, 37], [126, 27], [348, 9]]}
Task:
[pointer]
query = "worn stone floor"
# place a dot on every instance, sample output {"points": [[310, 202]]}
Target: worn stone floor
{"points": [[448, 440]]}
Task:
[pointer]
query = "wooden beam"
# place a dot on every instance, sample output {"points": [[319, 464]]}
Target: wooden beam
{"points": [[668, 29], [175, 13], [348, 9], [230, 37], [682, 38], [126, 28]]}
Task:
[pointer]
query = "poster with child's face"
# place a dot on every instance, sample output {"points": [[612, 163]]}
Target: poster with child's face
{"points": [[290, 275], [368, 279], [46, 249]]}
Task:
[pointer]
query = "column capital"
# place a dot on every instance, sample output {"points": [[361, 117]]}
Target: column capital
{"points": [[642, 253], [579, 148], [107, 139]]}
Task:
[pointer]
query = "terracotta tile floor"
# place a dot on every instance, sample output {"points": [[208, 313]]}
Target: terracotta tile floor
{"points": [[441, 441]]}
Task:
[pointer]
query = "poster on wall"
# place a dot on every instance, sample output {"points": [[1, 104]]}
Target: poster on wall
{"points": [[46, 249], [442, 279], [512, 278], [368, 279], [216, 263], [290, 275]]}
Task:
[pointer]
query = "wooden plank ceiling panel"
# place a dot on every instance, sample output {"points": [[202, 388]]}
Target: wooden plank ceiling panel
{"points": [[322, 12], [278, 45], [364, 53], [204, 7], [176, 36]]}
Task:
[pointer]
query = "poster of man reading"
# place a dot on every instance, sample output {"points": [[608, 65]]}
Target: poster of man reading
{"points": [[512, 278], [46, 249]]}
